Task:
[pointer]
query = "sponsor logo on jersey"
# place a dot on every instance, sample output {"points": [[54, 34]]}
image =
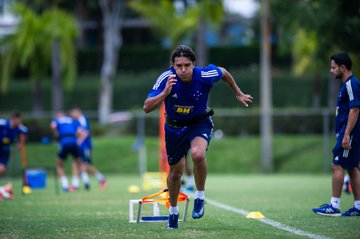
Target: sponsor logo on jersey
{"points": [[184, 110]]}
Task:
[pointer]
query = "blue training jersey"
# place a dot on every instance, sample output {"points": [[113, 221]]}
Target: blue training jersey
{"points": [[66, 129], [348, 97], [85, 125], [9, 135], [187, 100]]}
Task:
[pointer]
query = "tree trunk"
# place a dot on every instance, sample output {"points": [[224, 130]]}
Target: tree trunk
{"points": [[81, 14], [57, 89], [201, 46], [37, 98], [266, 90], [112, 21]]}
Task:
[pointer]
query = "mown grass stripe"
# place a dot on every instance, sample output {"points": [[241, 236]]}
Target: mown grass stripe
{"points": [[270, 222]]}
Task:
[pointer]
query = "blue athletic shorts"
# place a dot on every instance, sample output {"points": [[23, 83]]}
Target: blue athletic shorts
{"points": [[68, 148], [178, 141], [85, 154], [347, 159], [4, 156]]}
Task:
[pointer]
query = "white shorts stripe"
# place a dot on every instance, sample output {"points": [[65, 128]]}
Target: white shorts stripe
{"points": [[347, 151]]}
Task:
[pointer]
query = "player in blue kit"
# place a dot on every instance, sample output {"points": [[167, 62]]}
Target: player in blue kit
{"points": [[11, 131], [86, 151], [347, 149], [184, 88], [69, 135]]}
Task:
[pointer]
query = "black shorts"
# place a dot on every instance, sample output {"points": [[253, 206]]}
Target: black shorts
{"points": [[69, 148], [85, 154], [4, 156], [178, 141], [347, 159]]}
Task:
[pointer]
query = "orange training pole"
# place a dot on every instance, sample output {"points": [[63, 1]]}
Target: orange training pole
{"points": [[163, 163]]}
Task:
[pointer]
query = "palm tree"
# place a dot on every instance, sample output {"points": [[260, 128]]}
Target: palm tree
{"points": [[27, 48], [63, 51], [175, 25], [36, 40], [211, 13], [166, 20]]}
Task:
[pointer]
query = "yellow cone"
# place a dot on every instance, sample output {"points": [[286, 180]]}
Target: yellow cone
{"points": [[133, 189], [26, 190], [256, 215]]}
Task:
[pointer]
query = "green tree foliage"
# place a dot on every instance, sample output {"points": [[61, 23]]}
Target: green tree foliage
{"points": [[323, 25], [27, 48], [63, 27], [176, 24], [30, 47], [166, 20]]}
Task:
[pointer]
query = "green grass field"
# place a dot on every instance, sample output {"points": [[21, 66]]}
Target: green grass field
{"points": [[287, 199]]}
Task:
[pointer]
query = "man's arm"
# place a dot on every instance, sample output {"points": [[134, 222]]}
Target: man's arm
{"points": [[352, 119], [81, 135], [53, 127], [153, 103], [240, 96], [22, 141]]}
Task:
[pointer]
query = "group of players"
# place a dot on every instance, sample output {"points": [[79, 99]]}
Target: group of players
{"points": [[73, 134], [74, 138]]}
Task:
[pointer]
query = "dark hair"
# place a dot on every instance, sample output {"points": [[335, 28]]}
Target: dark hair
{"points": [[16, 115], [184, 51], [342, 58]]}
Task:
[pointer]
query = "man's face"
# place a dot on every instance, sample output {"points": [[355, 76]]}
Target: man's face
{"points": [[15, 122], [184, 68], [75, 114], [336, 70]]}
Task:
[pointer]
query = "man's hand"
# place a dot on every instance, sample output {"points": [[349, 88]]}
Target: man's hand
{"points": [[346, 142], [244, 99], [169, 84]]}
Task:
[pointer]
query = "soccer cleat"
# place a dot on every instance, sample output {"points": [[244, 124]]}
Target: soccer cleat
{"points": [[6, 192], [73, 188], [327, 210], [351, 212], [70, 189], [198, 210], [173, 222], [347, 188], [103, 184], [87, 186]]}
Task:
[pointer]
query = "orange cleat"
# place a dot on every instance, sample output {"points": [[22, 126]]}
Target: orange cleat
{"points": [[103, 184]]}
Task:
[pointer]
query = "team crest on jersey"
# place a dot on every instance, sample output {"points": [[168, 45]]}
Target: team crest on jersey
{"points": [[184, 110]]}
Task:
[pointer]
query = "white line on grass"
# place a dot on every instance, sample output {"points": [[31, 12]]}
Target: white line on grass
{"points": [[267, 221]]}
